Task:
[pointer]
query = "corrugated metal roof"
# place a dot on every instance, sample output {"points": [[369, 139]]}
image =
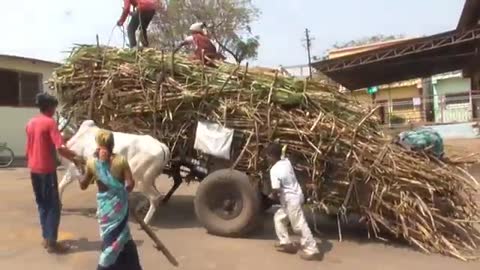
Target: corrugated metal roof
{"points": [[448, 75], [332, 54], [29, 59], [420, 57], [470, 15]]}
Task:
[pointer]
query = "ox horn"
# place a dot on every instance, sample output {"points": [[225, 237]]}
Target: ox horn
{"points": [[68, 122]]}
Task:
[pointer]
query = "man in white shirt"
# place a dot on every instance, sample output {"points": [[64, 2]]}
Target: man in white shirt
{"points": [[286, 187]]}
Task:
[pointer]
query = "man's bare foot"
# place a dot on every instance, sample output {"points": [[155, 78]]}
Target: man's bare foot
{"points": [[309, 257], [286, 248], [57, 248]]}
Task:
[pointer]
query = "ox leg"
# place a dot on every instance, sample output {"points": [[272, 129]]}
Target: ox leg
{"points": [[66, 181], [151, 193], [151, 210], [177, 181]]}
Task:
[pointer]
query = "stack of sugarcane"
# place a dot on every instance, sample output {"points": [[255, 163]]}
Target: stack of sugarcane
{"points": [[335, 142]]}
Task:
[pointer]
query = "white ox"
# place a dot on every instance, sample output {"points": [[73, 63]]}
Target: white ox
{"points": [[146, 156]]}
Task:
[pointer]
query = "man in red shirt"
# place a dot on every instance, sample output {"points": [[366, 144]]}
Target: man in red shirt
{"points": [[43, 142], [143, 13], [202, 45]]}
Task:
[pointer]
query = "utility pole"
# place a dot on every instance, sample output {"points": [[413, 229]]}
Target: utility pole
{"points": [[308, 42]]}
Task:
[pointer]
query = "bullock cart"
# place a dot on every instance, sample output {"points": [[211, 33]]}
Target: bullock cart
{"points": [[336, 144]]}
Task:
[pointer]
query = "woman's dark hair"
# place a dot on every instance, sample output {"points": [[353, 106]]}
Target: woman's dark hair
{"points": [[274, 150], [45, 101]]}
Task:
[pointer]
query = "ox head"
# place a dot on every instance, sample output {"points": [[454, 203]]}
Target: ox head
{"points": [[75, 135], [66, 128], [78, 137], [82, 142]]}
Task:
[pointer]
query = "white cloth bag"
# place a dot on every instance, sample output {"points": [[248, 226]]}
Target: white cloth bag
{"points": [[213, 139]]}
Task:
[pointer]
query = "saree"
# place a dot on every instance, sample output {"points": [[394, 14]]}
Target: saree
{"points": [[118, 249]]}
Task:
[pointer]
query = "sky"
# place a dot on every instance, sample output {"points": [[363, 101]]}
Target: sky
{"points": [[47, 29]]}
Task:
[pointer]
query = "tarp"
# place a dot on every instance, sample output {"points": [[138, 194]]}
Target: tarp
{"points": [[422, 139]]}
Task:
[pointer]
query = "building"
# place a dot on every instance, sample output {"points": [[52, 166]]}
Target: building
{"points": [[441, 98], [21, 79], [398, 100], [452, 96]]}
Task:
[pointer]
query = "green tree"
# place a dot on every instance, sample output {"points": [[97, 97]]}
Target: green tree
{"points": [[229, 25]]}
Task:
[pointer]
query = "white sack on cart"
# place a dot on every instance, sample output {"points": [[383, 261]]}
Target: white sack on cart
{"points": [[213, 139]]}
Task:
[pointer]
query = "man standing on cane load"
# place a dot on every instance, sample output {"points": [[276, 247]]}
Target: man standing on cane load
{"points": [[143, 13], [43, 141], [204, 50], [285, 185]]}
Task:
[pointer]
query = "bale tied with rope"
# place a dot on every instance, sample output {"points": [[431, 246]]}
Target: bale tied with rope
{"points": [[336, 144]]}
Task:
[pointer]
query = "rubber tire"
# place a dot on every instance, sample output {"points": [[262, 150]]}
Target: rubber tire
{"points": [[12, 157], [248, 217]]}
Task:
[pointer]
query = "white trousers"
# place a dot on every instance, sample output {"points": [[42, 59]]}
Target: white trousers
{"points": [[291, 212]]}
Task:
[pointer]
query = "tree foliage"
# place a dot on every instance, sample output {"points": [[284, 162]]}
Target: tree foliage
{"points": [[229, 20]]}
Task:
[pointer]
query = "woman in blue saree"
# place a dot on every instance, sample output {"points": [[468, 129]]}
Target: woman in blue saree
{"points": [[114, 180]]}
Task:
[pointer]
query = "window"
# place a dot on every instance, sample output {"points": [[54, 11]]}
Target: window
{"points": [[19, 88], [460, 98], [402, 104]]}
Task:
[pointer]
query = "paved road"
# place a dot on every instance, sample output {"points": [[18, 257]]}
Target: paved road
{"points": [[176, 225]]}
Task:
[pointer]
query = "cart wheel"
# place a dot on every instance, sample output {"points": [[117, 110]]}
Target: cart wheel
{"points": [[6, 157], [227, 204]]}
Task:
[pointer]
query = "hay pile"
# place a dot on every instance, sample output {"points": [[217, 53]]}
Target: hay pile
{"points": [[334, 141]]}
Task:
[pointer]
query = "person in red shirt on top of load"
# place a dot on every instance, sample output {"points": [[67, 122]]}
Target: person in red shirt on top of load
{"points": [[43, 141], [203, 46], [143, 13]]}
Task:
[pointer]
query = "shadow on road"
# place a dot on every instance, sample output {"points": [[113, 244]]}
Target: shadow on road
{"points": [[85, 212], [84, 245], [179, 213]]}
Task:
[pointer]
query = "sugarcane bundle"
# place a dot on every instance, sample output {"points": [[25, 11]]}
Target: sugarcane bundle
{"points": [[335, 142]]}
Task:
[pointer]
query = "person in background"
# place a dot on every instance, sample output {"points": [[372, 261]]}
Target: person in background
{"points": [[286, 187], [143, 13], [203, 47], [43, 142], [114, 180]]}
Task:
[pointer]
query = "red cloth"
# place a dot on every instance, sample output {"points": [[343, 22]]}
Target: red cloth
{"points": [[43, 139], [141, 5], [205, 45]]}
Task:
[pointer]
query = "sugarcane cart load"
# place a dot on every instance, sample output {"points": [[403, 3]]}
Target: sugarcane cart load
{"points": [[337, 145]]}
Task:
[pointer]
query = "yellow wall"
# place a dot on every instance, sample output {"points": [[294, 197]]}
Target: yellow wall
{"points": [[14, 119], [390, 95]]}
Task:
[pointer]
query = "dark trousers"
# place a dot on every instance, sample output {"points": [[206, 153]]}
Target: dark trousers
{"points": [[127, 260], [140, 18], [45, 187]]}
